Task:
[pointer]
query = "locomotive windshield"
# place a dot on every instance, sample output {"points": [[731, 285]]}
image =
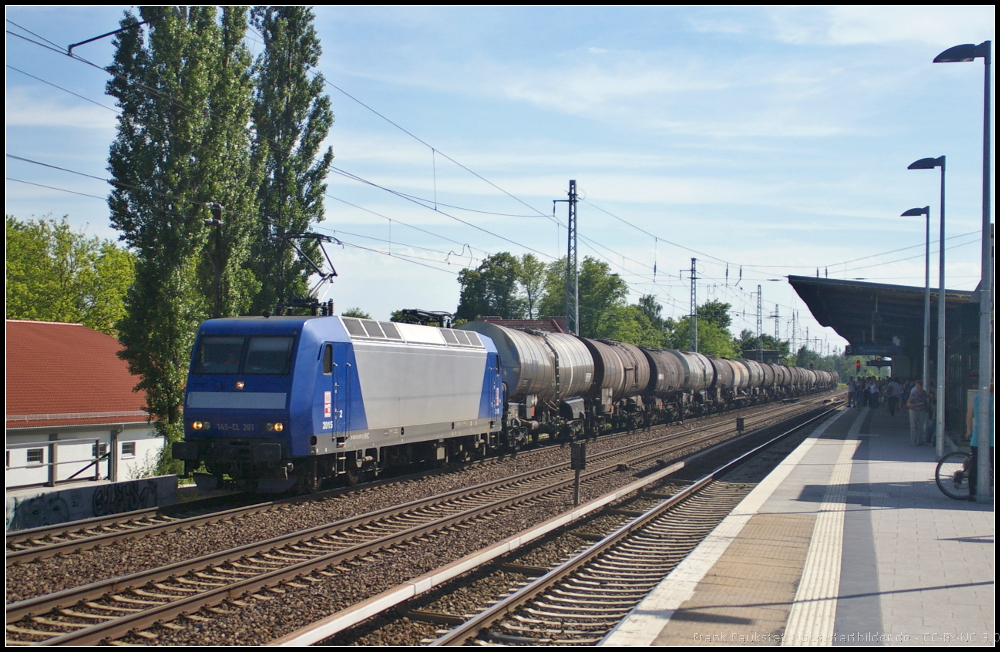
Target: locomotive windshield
{"points": [[228, 354]]}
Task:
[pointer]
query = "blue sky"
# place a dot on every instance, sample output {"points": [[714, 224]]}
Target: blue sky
{"points": [[762, 141]]}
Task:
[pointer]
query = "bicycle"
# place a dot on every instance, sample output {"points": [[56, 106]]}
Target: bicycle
{"points": [[952, 475]]}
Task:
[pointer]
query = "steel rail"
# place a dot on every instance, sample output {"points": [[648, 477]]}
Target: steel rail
{"points": [[174, 608], [233, 591], [29, 545], [493, 615], [346, 618], [77, 540]]}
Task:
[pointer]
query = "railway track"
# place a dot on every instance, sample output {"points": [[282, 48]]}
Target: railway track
{"points": [[581, 600], [194, 590], [41, 543]]}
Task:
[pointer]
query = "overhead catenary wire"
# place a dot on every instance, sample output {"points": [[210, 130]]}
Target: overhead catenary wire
{"points": [[117, 184], [656, 238], [435, 150], [86, 99], [355, 177], [40, 185], [118, 112]]}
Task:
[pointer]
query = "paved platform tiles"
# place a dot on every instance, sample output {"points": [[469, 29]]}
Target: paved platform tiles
{"points": [[848, 542]]}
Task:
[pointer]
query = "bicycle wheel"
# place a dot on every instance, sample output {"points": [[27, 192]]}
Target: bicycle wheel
{"points": [[952, 477]]}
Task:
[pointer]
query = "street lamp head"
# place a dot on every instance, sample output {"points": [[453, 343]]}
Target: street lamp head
{"points": [[964, 53], [927, 164], [926, 210]]}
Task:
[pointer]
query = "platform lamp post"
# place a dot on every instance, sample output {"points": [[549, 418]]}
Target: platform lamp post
{"points": [[930, 164], [926, 211], [962, 54]]}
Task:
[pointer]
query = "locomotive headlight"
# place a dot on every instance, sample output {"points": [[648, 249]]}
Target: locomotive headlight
{"points": [[197, 425], [239, 384], [278, 427]]}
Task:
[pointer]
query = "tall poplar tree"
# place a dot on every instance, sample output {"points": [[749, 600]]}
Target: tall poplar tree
{"points": [[291, 117], [183, 85]]}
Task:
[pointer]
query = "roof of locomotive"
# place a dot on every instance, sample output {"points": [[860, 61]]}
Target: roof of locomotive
{"points": [[347, 329]]}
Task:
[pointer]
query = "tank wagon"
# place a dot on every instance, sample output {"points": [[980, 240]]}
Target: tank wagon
{"points": [[624, 386], [279, 402]]}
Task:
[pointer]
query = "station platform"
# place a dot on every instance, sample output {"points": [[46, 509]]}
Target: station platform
{"points": [[849, 541]]}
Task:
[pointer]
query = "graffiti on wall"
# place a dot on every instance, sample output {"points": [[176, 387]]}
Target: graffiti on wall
{"points": [[37, 511], [124, 497], [77, 503]]}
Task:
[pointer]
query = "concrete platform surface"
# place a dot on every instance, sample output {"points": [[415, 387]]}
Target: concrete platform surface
{"points": [[848, 542]]}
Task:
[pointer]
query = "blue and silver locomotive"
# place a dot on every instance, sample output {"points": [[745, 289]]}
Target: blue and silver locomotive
{"points": [[276, 402]]}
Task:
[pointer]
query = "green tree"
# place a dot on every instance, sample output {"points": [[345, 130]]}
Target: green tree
{"points": [[632, 325], [653, 310], [747, 344], [712, 340], [716, 312], [183, 87], [356, 312], [104, 298], [55, 274], [532, 280], [291, 117], [491, 289], [600, 290]]}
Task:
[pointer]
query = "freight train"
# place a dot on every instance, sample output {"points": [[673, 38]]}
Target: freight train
{"points": [[282, 402]]}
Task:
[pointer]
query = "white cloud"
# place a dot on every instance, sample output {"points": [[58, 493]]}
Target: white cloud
{"points": [[717, 26], [31, 107], [940, 26]]}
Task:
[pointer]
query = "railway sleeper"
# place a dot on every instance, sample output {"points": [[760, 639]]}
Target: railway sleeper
{"points": [[179, 589], [592, 600], [79, 614], [42, 620], [120, 611], [17, 629], [592, 595], [126, 600], [551, 627], [573, 611]]}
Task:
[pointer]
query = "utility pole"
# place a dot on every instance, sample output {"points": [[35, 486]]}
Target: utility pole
{"points": [[760, 326], [572, 271], [694, 306], [794, 315]]}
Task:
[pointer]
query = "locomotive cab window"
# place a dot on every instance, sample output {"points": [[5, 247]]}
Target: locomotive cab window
{"points": [[269, 355], [224, 354], [219, 355], [327, 359]]}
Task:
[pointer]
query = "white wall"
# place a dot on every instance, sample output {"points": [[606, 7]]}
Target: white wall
{"points": [[74, 449]]}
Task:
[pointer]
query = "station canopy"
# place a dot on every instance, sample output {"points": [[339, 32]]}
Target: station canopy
{"points": [[875, 318]]}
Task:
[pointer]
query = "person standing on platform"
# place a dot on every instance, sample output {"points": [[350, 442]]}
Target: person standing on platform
{"points": [[872, 394], [895, 391], [917, 405], [852, 392]]}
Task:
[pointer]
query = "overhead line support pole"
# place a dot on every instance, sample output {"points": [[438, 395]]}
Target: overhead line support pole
{"points": [[694, 305], [572, 270]]}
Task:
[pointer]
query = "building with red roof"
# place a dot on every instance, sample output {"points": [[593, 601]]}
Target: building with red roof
{"points": [[72, 412]]}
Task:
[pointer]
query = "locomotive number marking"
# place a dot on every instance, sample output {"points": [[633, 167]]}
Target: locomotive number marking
{"points": [[328, 425], [245, 427]]}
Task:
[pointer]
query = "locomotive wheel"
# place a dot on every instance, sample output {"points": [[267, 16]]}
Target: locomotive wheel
{"points": [[352, 475], [313, 483]]}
